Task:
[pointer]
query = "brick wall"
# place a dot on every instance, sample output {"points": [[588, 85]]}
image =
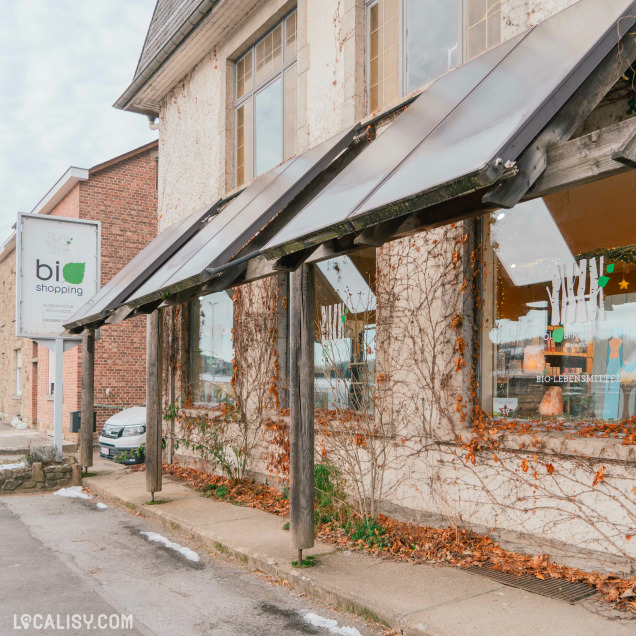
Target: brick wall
{"points": [[123, 197]]}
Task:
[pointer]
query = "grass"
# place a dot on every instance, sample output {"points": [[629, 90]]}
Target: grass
{"points": [[156, 502], [309, 562]]}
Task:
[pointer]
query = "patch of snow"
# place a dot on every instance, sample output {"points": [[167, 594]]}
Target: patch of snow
{"points": [[101, 506], [15, 466], [186, 552], [330, 624], [73, 492]]}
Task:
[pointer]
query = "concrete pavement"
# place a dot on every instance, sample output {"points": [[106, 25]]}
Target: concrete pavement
{"points": [[416, 599], [15, 443], [63, 556]]}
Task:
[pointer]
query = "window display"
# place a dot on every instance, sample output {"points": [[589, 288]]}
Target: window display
{"points": [[344, 349], [562, 288], [211, 348]]}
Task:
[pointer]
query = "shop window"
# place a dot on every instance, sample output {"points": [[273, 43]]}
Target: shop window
{"points": [[344, 348], [18, 372], [211, 349], [265, 102], [561, 336], [412, 42]]}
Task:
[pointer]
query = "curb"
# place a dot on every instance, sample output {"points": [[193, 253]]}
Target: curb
{"points": [[293, 576]]}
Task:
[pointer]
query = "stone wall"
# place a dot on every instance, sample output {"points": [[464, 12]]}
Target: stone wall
{"points": [[427, 477], [39, 477]]}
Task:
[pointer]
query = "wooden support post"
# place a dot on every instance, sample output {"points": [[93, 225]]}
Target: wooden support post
{"points": [[88, 392], [154, 416], [301, 403]]}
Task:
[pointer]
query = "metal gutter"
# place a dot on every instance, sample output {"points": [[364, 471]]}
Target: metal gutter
{"points": [[155, 64]]}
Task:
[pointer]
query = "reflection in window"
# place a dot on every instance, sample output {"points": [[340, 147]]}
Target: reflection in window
{"points": [[412, 42], [211, 348], [268, 127], [432, 31], [265, 104], [563, 341], [344, 349]]}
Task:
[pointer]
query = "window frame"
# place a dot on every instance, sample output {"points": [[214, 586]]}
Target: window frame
{"points": [[50, 388], [462, 45], [280, 72], [18, 372]]}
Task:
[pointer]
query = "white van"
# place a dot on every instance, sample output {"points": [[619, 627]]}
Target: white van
{"points": [[123, 434]]}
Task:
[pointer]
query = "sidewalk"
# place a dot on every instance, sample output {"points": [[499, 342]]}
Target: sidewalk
{"points": [[417, 599], [16, 443]]}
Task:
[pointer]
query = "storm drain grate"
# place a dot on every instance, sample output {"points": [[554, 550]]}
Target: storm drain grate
{"points": [[552, 588]]}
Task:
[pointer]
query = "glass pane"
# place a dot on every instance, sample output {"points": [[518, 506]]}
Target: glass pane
{"points": [[269, 54], [244, 152], [290, 112], [477, 10], [244, 75], [431, 47], [290, 36], [565, 305], [477, 38], [344, 349], [269, 133], [383, 53], [494, 29], [211, 348]]}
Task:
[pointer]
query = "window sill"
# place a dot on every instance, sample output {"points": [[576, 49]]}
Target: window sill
{"points": [[17, 396], [561, 444], [50, 398]]}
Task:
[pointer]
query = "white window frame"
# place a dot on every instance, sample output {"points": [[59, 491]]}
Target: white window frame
{"points": [[258, 88]]}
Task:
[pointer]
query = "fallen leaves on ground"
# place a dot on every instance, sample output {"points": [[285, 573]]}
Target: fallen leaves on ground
{"points": [[420, 544], [242, 492]]}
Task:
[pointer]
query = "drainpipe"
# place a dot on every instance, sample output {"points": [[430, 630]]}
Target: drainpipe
{"points": [[152, 123]]}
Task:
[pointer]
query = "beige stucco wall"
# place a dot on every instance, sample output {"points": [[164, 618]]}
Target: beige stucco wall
{"points": [[427, 477]]}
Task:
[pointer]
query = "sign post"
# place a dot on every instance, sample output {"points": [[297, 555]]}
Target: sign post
{"points": [[57, 271]]}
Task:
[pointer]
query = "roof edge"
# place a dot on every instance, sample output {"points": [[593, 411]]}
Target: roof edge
{"points": [[127, 155], [60, 189], [147, 73]]}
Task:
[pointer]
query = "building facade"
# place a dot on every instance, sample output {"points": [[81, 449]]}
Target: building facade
{"points": [[459, 361], [122, 194]]}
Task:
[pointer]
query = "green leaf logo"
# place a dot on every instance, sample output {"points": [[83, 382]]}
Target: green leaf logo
{"points": [[603, 280], [557, 334], [74, 273], [610, 268]]}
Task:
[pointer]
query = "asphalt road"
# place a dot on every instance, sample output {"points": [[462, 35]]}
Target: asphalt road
{"points": [[64, 558]]}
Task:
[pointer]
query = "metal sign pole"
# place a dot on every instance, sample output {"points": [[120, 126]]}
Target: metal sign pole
{"points": [[58, 395]]}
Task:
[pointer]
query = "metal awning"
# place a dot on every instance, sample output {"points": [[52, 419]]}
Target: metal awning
{"points": [[468, 129], [475, 140], [127, 280], [184, 256]]}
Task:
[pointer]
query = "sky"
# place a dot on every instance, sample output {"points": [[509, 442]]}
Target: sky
{"points": [[63, 63]]}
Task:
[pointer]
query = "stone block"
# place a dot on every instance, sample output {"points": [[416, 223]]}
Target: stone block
{"points": [[37, 473], [69, 460], [11, 484], [77, 475], [63, 483], [51, 469], [28, 485]]}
